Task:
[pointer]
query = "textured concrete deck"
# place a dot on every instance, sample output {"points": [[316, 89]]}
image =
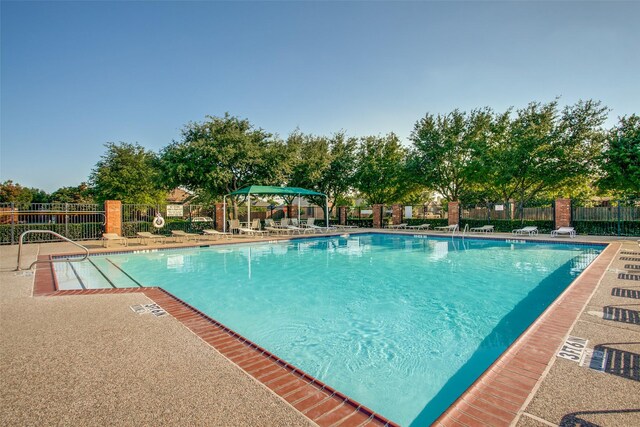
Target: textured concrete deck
{"points": [[91, 360]]}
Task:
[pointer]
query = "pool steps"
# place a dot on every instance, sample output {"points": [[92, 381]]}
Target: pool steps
{"points": [[82, 275]]}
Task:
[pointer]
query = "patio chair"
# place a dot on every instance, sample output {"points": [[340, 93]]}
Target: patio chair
{"points": [[250, 232], [215, 233], [448, 228], [397, 226], [112, 237], [179, 234], [234, 224], [530, 230], [419, 227], [483, 229], [570, 231], [277, 230], [311, 224], [153, 238]]}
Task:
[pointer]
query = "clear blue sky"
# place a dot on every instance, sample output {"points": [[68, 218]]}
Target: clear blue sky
{"points": [[75, 75]]}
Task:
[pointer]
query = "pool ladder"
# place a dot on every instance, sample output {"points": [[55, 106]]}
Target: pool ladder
{"points": [[86, 254]]}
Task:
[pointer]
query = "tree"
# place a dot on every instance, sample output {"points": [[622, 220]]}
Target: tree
{"points": [[544, 151], [129, 173], [16, 193], [620, 162], [322, 164], [79, 194], [381, 174], [445, 150], [221, 155]]}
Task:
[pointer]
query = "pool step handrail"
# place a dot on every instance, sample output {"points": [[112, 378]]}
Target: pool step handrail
{"points": [[86, 254], [465, 230]]}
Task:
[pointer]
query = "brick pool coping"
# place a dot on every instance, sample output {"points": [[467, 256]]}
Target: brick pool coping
{"points": [[496, 398]]}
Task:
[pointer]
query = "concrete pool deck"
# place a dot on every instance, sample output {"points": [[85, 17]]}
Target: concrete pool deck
{"points": [[89, 360]]}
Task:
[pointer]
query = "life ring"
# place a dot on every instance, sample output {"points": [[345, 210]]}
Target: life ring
{"points": [[158, 221]]}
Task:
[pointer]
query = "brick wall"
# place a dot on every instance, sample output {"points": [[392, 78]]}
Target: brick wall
{"points": [[342, 214], [454, 213], [377, 216], [113, 217], [563, 213], [220, 216], [396, 214]]}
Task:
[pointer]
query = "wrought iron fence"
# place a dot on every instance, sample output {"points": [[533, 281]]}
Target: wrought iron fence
{"points": [[189, 218], [76, 221], [616, 218], [506, 211]]}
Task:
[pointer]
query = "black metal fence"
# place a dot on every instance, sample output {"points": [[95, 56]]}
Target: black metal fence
{"points": [[610, 218], [189, 218], [76, 221]]}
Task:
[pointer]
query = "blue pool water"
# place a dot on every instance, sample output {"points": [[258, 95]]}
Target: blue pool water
{"points": [[402, 324]]}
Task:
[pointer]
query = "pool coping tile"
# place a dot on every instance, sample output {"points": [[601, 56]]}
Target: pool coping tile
{"points": [[491, 400]]}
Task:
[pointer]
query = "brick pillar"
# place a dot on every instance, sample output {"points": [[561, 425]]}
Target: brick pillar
{"points": [[396, 214], [563, 213], [454, 213], [293, 211], [342, 215], [220, 216], [377, 216], [113, 217]]}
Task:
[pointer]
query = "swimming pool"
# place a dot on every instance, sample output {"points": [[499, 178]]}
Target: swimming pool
{"points": [[402, 324]]}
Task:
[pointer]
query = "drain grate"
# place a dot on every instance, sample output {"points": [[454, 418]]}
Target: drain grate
{"points": [[632, 266], [629, 253], [627, 276], [623, 315], [627, 258]]}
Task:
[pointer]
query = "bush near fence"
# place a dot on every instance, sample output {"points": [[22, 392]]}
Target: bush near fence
{"points": [[129, 229], [607, 228], [435, 222], [508, 225], [84, 231], [360, 222]]}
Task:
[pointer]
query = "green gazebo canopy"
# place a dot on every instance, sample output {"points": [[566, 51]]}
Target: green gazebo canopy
{"points": [[269, 189], [282, 191]]}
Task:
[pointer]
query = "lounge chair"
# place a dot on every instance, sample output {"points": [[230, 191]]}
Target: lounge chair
{"points": [[215, 233], [112, 237], [397, 226], [419, 227], [530, 230], [311, 224], [483, 229], [564, 230], [243, 231], [448, 228], [179, 234], [153, 238]]}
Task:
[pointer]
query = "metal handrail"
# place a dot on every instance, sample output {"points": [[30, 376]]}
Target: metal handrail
{"points": [[86, 255]]}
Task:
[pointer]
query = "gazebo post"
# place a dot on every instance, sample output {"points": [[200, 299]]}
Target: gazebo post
{"points": [[298, 209], [248, 210], [224, 214], [326, 211]]}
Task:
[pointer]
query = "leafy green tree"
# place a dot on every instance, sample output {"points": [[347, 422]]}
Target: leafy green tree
{"points": [[221, 155], [79, 194], [322, 164], [445, 150], [381, 175], [127, 172], [16, 193], [544, 151], [620, 162]]}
